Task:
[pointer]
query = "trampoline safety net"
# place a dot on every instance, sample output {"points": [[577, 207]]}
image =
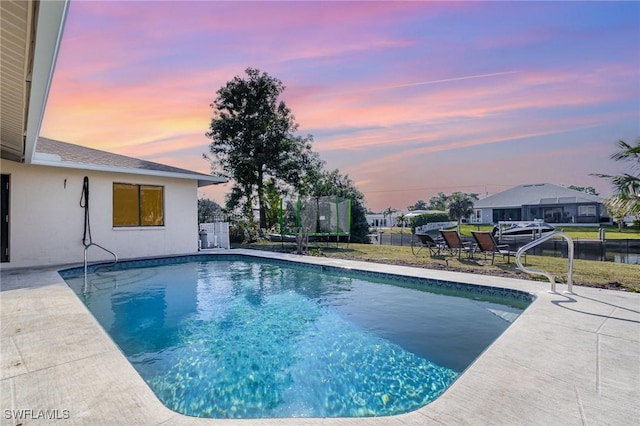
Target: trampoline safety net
{"points": [[320, 216]]}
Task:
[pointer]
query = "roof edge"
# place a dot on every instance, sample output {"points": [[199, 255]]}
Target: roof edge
{"points": [[51, 18], [203, 180]]}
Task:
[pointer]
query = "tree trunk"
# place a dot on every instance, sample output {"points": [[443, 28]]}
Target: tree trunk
{"points": [[248, 209], [263, 213]]}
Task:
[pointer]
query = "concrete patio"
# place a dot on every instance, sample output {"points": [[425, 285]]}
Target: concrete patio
{"points": [[568, 360]]}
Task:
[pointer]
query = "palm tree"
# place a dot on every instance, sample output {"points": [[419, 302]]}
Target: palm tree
{"points": [[460, 206], [627, 200], [401, 219], [388, 212]]}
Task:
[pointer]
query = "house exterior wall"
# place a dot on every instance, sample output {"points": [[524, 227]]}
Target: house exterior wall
{"points": [[590, 213], [486, 215], [565, 213], [379, 220], [47, 222]]}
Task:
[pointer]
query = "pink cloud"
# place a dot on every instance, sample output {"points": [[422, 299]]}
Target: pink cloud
{"points": [[428, 116], [387, 85]]}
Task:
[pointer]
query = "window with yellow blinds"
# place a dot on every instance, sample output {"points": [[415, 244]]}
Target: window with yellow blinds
{"points": [[138, 205]]}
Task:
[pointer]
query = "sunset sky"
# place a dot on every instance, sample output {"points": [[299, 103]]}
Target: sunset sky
{"points": [[407, 98]]}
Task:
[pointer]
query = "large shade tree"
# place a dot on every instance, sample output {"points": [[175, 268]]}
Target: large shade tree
{"points": [[253, 141]]}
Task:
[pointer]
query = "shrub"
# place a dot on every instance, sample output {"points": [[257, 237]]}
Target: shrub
{"points": [[243, 232], [425, 218]]}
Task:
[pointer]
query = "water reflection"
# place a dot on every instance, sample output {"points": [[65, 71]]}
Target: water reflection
{"points": [[621, 251]]}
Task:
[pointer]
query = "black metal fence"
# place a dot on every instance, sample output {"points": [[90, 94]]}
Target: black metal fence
{"points": [[620, 251]]}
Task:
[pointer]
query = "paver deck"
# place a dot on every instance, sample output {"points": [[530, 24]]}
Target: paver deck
{"points": [[569, 359]]}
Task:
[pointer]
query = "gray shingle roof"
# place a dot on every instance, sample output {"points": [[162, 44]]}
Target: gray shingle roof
{"points": [[534, 194], [69, 154]]}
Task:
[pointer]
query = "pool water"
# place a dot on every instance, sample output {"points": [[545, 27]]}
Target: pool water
{"points": [[252, 339]]}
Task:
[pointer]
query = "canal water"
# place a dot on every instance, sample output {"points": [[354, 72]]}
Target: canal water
{"points": [[619, 251]]}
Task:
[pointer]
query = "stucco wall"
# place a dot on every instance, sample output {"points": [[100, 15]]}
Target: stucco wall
{"points": [[46, 220]]}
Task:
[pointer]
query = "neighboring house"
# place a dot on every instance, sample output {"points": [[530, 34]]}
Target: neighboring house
{"points": [[551, 203], [137, 208], [379, 220]]}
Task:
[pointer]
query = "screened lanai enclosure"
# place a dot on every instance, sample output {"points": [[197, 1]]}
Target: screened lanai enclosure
{"points": [[316, 219]]}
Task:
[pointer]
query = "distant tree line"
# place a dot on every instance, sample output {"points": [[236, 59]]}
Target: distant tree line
{"points": [[441, 201], [586, 189]]}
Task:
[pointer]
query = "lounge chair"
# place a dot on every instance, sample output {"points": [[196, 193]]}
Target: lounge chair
{"points": [[454, 243], [487, 244], [420, 241]]}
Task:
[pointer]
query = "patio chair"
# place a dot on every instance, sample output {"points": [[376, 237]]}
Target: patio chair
{"points": [[487, 244], [420, 241], [454, 243]]}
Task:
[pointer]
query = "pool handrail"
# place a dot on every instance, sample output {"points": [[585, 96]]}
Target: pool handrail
{"points": [[86, 247], [550, 276]]}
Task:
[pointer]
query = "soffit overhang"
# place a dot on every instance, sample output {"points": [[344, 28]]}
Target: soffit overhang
{"points": [[30, 35]]}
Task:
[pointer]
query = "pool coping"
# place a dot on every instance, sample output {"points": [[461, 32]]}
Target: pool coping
{"points": [[568, 359]]}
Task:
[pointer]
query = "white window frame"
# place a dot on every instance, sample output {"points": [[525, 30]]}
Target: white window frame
{"points": [[589, 210]]}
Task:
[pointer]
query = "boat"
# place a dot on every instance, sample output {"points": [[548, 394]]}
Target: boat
{"points": [[531, 229]]}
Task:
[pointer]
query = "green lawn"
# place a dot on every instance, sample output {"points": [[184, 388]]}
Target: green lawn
{"points": [[586, 272]]}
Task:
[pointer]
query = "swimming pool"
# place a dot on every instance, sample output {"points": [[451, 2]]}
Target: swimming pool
{"points": [[235, 337]]}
